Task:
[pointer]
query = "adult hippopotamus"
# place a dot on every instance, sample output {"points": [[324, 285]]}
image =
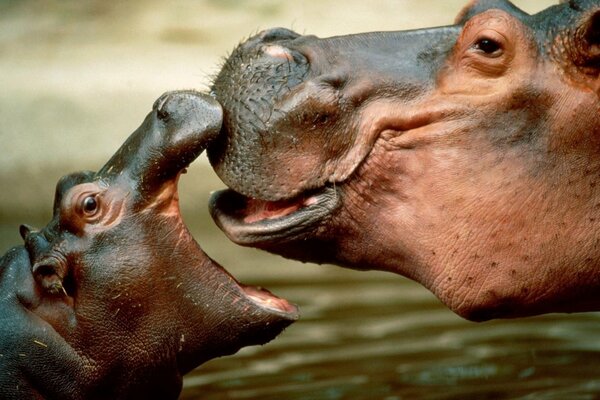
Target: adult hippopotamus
{"points": [[465, 157], [114, 299]]}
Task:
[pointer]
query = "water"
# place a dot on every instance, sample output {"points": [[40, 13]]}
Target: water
{"points": [[365, 336]]}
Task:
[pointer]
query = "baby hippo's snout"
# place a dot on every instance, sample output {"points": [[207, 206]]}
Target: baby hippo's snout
{"points": [[189, 111], [179, 128]]}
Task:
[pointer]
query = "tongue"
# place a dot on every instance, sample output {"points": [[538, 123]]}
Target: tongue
{"points": [[259, 210], [267, 300]]}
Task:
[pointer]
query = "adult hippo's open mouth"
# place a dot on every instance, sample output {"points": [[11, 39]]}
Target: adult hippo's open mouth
{"points": [[250, 221], [464, 157], [262, 118]]}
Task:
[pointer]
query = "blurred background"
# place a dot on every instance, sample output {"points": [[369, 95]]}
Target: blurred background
{"points": [[77, 77]]}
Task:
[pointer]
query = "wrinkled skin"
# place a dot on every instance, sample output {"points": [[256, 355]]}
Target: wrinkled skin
{"points": [[465, 157], [114, 299]]}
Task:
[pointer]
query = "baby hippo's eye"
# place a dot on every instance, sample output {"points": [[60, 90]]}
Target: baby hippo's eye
{"points": [[82, 205], [89, 205]]}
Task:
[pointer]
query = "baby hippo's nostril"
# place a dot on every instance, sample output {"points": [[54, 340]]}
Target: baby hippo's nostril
{"points": [[189, 109], [271, 35], [50, 273]]}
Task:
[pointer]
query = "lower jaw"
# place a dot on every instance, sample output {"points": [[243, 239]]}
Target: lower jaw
{"points": [[276, 221]]}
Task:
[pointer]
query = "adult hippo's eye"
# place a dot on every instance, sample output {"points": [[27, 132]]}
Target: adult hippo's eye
{"points": [[488, 46], [89, 205]]}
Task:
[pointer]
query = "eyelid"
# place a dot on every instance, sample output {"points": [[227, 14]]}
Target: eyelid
{"points": [[490, 34], [496, 53]]}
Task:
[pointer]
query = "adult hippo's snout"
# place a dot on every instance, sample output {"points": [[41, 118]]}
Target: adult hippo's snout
{"points": [[464, 157], [306, 95], [298, 121]]}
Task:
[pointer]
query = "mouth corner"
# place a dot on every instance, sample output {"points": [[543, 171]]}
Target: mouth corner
{"points": [[250, 222]]}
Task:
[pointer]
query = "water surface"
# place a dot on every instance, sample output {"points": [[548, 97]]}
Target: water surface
{"points": [[376, 336]]}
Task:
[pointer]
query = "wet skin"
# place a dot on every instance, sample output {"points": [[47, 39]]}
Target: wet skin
{"points": [[465, 157], [114, 299]]}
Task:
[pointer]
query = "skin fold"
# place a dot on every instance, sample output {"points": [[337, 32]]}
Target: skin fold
{"points": [[464, 157]]}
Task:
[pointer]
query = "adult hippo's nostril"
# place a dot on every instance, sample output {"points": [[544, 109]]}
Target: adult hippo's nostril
{"points": [[277, 51], [268, 36]]}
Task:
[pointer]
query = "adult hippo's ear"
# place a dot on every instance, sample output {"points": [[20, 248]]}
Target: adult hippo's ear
{"points": [[590, 40], [583, 43], [178, 129], [478, 6]]}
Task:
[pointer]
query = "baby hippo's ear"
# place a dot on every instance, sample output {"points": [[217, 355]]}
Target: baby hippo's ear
{"points": [[179, 128]]}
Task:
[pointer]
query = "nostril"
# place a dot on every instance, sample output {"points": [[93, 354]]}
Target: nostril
{"points": [[271, 35], [336, 81], [54, 277], [44, 268]]}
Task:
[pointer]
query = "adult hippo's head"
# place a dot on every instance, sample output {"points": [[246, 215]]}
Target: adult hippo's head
{"points": [[114, 299], [465, 157]]}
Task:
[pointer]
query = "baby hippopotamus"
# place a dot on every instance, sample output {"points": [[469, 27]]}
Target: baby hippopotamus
{"points": [[114, 299], [465, 157]]}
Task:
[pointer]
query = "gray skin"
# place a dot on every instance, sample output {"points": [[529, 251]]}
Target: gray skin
{"points": [[114, 299], [465, 157]]}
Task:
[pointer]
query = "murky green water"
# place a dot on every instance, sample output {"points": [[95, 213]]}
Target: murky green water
{"points": [[377, 337], [373, 335]]}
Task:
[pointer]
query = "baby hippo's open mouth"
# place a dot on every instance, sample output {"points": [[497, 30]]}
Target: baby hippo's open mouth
{"points": [[250, 221], [117, 261]]}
